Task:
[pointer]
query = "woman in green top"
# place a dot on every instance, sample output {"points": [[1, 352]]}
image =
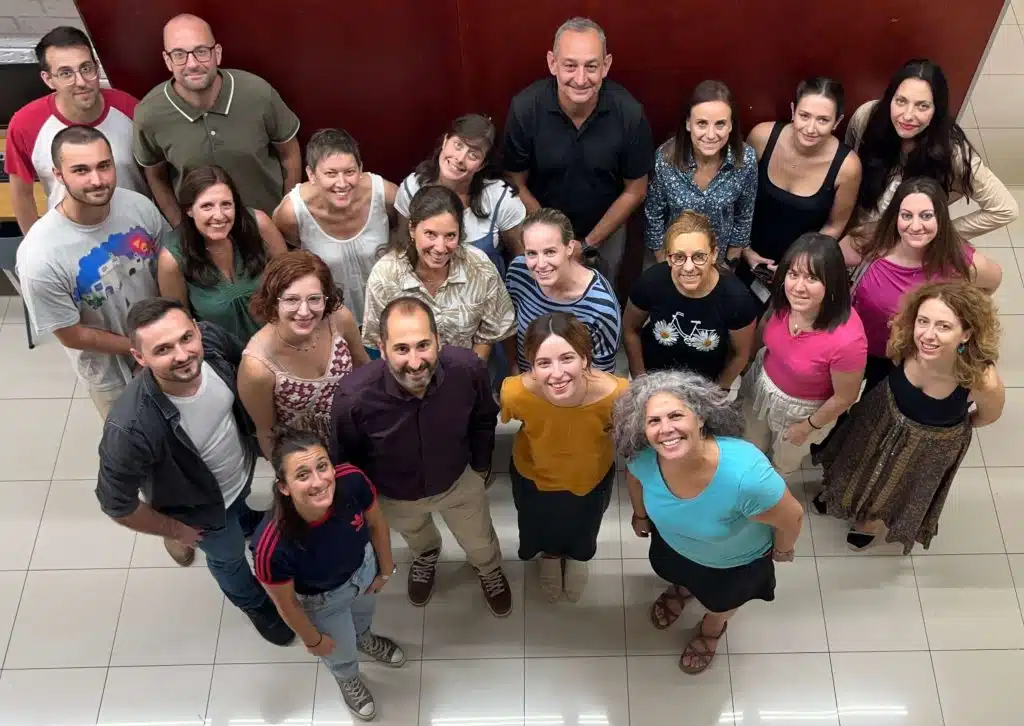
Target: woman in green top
{"points": [[214, 259]]}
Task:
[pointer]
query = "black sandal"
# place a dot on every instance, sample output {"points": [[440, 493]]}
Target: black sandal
{"points": [[859, 541], [819, 504]]}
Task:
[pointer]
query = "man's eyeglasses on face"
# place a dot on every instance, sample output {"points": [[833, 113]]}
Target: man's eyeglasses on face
{"points": [[201, 53], [678, 259], [88, 71]]}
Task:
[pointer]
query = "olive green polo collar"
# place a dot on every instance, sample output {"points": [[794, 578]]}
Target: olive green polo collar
{"points": [[222, 105]]}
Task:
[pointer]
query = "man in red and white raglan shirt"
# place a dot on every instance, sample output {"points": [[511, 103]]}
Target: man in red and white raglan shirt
{"points": [[69, 67]]}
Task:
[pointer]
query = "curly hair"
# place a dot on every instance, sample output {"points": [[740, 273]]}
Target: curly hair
{"points": [[976, 313], [284, 270], [705, 399]]}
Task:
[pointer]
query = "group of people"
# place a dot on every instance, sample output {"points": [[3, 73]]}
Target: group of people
{"points": [[365, 336]]}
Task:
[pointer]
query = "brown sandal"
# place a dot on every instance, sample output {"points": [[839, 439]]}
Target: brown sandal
{"points": [[662, 616], [705, 655]]}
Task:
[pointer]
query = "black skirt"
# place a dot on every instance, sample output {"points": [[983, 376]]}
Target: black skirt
{"points": [[559, 523], [717, 589]]}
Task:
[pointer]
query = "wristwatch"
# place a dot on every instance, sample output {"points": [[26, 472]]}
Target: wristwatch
{"points": [[390, 574]]}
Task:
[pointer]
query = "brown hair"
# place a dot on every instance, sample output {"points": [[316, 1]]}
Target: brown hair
{"points": [[198, 267], [977, 315], [552, 218], [680, 152], [944, 255], [284, 270], [689, 222], [563, 325]]}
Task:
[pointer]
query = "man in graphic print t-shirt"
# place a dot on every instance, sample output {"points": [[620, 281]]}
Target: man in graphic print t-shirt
{"points": [[88, 260]]}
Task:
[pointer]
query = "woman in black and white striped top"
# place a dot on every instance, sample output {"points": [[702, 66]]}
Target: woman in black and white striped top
{"points": [[549, 278]]}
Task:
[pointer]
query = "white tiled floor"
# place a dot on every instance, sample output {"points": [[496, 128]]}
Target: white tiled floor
{"points": [[98, 627], [100, 618]]}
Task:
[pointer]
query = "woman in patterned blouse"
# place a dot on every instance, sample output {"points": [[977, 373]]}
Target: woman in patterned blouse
{"points": [[458, 281], [705, 168]]}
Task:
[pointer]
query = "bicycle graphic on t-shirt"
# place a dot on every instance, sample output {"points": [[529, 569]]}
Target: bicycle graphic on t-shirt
{"points": [[670, 332]]}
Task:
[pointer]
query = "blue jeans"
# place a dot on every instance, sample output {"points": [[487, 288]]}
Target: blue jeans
{"points": [[345, 614], [225, 556]]}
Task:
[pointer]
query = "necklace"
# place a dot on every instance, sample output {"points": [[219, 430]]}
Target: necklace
{"points": [[302, 349]]}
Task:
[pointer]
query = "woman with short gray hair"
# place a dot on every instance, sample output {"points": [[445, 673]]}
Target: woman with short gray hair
{"points": [[717, 513]]}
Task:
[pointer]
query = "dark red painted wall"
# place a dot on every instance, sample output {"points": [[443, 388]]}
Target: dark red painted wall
{"points": [[394, 72]]}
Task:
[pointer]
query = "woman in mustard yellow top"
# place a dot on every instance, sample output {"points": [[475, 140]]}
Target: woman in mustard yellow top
{"points": [[563, 462]]}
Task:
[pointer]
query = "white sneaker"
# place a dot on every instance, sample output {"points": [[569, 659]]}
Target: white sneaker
{"points": [[551, 578], [576, 575]]}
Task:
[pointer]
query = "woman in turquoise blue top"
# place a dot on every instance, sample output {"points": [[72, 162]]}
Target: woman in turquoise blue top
{"points": [[214, 260], [717, 513]]}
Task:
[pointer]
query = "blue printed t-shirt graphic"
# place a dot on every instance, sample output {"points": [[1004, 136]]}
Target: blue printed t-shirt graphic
{"points": [[111, 267]]}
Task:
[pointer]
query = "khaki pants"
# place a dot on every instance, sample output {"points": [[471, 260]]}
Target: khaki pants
{"points": [[104, 400], [466, 511]]}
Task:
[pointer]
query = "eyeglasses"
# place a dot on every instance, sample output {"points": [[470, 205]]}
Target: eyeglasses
{"points": [[678, 259], [88, 71], [201, 53], [291, 303]]}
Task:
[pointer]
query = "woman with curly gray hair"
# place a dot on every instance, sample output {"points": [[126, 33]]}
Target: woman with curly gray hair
{"points": [[717, 513]]}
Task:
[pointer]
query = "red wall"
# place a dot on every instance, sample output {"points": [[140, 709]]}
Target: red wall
{"points": [[395, 72]]}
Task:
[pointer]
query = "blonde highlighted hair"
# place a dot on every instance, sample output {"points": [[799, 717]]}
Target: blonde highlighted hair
{"points": [[687, 223], [974, 310]]}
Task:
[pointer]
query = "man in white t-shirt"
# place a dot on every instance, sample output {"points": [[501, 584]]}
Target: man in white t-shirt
{"points": [[88, 260], [178, 453], [69, 67]]}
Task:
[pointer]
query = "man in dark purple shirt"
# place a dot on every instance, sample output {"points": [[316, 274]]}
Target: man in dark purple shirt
{"points": [[420, 422]]}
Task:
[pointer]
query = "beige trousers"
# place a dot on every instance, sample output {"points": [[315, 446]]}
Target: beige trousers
{"points": [[104, 400], [466, 511]]}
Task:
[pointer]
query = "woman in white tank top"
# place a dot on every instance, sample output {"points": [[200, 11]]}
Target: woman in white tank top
{"points": [[342, 214]]}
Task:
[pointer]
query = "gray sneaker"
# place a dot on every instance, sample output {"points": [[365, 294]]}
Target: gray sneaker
{"points": [[381, 649], [358, 698]]}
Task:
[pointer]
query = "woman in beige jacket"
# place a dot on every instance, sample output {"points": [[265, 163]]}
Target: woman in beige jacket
{"points": [[910, 133]]}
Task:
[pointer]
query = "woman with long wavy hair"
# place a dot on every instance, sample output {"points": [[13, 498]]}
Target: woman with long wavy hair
{"points": [[893, 460], [215, 258], [910, 133]]}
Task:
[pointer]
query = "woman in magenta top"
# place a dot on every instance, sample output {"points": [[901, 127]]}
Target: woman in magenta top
{"points": [[810, 368], [915, 242]]}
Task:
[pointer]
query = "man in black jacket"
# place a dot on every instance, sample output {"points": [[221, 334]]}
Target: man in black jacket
{"points": [[178, 452]]}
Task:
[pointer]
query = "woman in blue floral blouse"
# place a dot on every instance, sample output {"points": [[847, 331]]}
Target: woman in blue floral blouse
{"points": [[705, 168]]}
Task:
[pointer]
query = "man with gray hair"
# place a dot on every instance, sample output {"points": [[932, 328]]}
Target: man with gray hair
{"points": [[580, 143]]}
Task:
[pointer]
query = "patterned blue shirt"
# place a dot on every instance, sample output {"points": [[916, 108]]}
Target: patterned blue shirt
{"points": [[728, 202]]}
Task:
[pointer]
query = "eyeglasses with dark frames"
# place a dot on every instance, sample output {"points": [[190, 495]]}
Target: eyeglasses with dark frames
{"points": [[678, 259], [179, 56]]}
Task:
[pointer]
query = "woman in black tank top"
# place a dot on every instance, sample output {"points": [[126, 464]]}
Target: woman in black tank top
{"points": [[893, 460], [788, 207]]}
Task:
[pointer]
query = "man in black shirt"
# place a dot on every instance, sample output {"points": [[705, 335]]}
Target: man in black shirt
{"points": [[581, 144]]}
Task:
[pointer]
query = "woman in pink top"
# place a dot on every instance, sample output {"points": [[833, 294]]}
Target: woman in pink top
{"points": [[293, 364], [915, 242], [810, 368]]}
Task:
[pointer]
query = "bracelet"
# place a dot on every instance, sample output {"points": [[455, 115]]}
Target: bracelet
{"points": [[811, 424], [637, 516], [317, 642]]}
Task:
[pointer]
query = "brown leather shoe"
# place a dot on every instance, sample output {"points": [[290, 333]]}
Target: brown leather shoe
{"points": [[497, 593], [182, 554], [422, 574]]}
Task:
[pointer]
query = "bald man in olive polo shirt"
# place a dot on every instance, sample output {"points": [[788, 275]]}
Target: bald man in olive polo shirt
{"points": [[206, 115]]}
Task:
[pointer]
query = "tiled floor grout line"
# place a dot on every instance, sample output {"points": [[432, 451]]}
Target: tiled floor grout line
{"points": [[213, 666], [31, 554], [1009, 564], [113, 642], [927, 640]]}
